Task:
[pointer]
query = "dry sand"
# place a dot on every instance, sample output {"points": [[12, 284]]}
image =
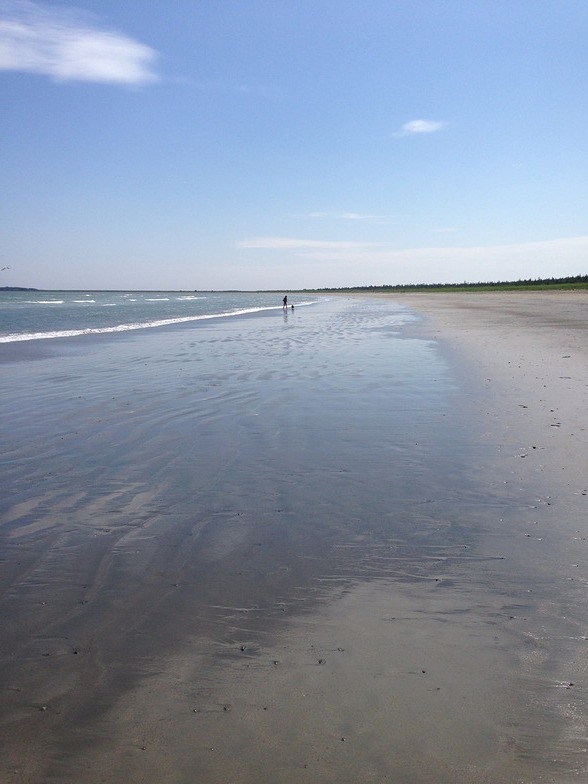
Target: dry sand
{"points": [[265, 648], [529, 352]]}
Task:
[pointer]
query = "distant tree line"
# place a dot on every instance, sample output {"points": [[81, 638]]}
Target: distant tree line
{"points": [[577, 281]]}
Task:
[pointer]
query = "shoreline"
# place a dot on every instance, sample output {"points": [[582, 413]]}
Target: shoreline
{"points": [[289, 563]]}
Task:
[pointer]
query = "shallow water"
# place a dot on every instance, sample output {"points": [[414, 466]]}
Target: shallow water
{"points": [[45, 315]]}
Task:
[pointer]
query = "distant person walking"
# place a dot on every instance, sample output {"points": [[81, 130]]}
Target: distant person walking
{"points": [[285, 301]]}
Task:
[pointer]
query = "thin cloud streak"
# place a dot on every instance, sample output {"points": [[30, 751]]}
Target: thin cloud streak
{"points": [[455, 264], [64, 46], [293, 243], [348, 216], [417, 127]]}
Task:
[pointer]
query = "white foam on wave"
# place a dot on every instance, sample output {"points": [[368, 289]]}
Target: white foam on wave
{"points": [[84, 301], [44, 302], [72, 333]]}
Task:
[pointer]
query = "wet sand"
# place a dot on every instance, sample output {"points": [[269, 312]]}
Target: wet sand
{"points": [[332, 547]]}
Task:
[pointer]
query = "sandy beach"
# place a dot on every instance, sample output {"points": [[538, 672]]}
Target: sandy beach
{"points": [[348, 545]]}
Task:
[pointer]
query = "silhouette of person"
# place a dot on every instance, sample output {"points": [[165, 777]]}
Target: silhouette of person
{"points": [[285, 301]]}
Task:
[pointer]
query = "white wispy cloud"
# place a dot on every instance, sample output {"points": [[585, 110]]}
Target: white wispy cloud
{"points": [[546, 258], [294, 243], [67, 45], [316, 267], [421, 126], [347, 216]]}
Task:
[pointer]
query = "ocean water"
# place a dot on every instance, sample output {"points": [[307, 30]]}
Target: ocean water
{"points": [[37, 315]]}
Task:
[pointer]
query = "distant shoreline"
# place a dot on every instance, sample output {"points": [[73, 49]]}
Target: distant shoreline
{"points": [[539, 284], [550, 284], [17, 288]]}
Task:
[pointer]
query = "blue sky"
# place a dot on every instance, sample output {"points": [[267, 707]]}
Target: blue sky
{"points": [[282, 144]]}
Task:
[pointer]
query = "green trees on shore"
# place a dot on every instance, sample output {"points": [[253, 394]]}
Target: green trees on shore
{"points": [[575, 282]]}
